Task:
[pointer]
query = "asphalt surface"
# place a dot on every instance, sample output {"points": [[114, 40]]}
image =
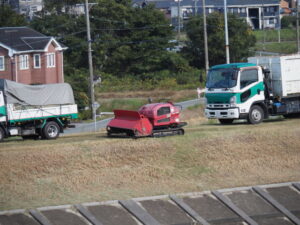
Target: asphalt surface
{"points": [[92, 127]]}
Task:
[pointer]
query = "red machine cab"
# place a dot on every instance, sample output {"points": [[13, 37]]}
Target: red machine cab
{"points": [[156, 119]]}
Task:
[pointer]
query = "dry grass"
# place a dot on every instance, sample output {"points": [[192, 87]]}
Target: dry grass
{"points": [[173, 95], [91, 167]]}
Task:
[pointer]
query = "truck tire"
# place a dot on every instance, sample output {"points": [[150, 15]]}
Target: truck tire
{"points": [[1, 134], [51, 130], [256, 115], [226, 121]]}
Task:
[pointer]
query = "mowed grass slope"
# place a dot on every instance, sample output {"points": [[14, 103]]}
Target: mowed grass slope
{"points": [[91, 167]]}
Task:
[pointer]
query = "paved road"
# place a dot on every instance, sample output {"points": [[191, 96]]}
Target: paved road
{"points": [[90, 127], [264, 53]]}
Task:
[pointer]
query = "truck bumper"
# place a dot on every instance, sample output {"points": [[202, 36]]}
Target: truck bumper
{"points": [[232, 113]]}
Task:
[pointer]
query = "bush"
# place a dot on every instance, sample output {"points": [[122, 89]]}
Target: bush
{"points": [[85, 115], [151, 81], [288, 22]]}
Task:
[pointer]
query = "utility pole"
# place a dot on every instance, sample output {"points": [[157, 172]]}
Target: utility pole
{"points": [[205, 36], [226, 33], [195, 11], [279, 29], [91, 77], [263, 26], [178, 18], [297, 22]]}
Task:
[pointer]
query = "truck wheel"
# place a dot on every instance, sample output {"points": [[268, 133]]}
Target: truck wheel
{"points": [[1, 134], [256, 115], [225, 121], [51, 130]]}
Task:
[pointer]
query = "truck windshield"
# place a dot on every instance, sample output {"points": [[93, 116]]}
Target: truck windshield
{"points": [[221, 78]]}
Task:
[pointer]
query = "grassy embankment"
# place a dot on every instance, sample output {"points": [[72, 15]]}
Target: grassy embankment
{"points": [[91, 167], [135, 99], [287, 45]]}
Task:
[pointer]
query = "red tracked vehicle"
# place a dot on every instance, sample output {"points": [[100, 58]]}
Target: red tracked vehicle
{"points": [[155, 119]]}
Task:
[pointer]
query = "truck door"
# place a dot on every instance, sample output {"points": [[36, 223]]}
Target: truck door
{"points": [[2, 108], [250, 85], [163, 116]]}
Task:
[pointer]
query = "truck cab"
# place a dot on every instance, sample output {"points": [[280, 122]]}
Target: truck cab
{"points": [[235, 91]]}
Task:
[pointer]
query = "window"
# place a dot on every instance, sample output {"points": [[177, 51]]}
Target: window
{"points": [[2, 63], [34, 8], [23, 61], [37, 60], [163, 111], [271, 21], [51, 60], [221, 78], [248, 77]]}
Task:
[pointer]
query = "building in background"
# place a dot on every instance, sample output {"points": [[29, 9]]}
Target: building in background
{"points": [[258, 13], [29, 57], [26, 7], [30, 7]]}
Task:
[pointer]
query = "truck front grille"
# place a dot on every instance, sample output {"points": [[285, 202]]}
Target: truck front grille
{"points": [[219, 106]]}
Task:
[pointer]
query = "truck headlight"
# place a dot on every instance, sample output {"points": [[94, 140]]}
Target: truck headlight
{"points": [[232, 101]]}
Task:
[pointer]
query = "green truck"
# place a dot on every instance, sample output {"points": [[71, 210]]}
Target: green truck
{"points": [[262, 87]]}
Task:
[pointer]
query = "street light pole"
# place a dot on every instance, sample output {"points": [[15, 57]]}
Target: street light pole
{"points": [[263, 26], [91, 73], [178, 18], [205, 36], [297, 23], [226, 33]]}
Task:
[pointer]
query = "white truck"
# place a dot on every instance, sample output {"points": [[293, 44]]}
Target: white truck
{"points": [[35, 111], [255, 90]]}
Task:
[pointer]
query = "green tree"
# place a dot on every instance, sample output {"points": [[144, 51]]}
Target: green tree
{"points": [[9, 18], [126, 41], [135, 40], [288, 22], [241, 38], [58, 6]]}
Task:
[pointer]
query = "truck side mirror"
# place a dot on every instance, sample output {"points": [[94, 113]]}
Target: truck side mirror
{"points": [[266, 72]]}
